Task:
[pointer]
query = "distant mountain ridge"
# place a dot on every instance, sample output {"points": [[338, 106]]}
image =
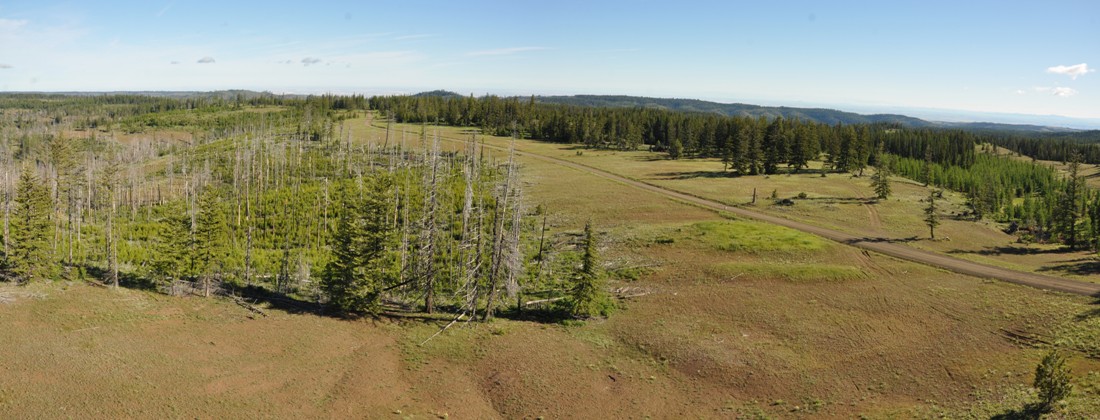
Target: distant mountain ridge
{"points": [[820, 115]]}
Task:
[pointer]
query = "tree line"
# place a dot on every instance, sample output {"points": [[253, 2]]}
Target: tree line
{"points": [[1033, 198]]}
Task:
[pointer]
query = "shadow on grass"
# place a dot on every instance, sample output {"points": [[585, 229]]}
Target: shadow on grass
{"points": [[841, 200], [694, 175], [1089, 314], [1028, 412], [551, 314], [1080, 267], [882, 240], [1014, 250], [127, 280], [282, 301]]}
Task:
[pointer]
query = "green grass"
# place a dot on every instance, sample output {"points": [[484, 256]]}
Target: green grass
{"points": [[792, 272], [754, 237]]}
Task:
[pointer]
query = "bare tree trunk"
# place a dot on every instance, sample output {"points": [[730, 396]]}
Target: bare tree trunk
{"points": [[498, 252], [112, 248], [428, 232]]}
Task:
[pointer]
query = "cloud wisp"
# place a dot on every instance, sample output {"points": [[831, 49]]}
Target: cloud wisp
{"points": [[1063, 91], [1056, 91], [206, 60], [4, 66], [504, 51], [310, 60], [412, 37], [11, 25], [1072, 71]]}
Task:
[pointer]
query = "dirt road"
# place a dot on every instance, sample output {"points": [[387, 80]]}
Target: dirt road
{"points": [[872, 244]]}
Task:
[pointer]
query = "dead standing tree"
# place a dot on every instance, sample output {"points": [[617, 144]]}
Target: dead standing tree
{"points": [[506, 198]]}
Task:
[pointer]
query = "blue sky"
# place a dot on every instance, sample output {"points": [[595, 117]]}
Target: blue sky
{"points": [[991, 56]]}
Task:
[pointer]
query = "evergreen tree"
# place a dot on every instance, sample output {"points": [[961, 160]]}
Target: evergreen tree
{"points": [[881, 179], [755, 154], [170, 247], [804, 148], [1069, 203], [675, 148], [846, 154], [210, 247], [931, 219], [926, 170], [775, 143], [362, 264], [31, 256], [1052, 380], [982, 199], [589, 297]]}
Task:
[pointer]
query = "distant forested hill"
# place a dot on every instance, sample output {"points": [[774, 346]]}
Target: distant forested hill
{"points": [[821, 115]]}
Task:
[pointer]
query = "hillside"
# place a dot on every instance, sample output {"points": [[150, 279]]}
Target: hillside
{"points": [[820, 115]]}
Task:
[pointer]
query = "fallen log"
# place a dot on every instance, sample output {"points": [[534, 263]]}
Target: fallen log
{"points": [[241, 302]]}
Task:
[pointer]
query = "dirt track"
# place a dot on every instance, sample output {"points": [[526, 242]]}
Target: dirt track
{"points": [[872, 244]]}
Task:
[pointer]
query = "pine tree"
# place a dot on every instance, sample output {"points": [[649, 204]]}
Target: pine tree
{"points": [[31, 256], [362, 262], [775, 143], [589, 298], [211, 230], [881, 179], [926, 170], [675, 148], [803, 148], [170, 246], [1052, 380], [1069, 203], [931, 219]]}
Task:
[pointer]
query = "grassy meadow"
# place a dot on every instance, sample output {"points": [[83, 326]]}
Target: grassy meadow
{"points": [[732, 318]]}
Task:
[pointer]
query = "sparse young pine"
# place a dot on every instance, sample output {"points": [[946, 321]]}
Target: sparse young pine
{"points": [[31, 256], [1052, 380], [931, 219], [589, 298]]}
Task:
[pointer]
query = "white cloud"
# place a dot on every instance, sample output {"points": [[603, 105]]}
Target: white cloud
{"points": [[1020, 92], [206, 60], [1056, 91], [504, 51], [1063, 91], [1071, 71], [310, 60]]}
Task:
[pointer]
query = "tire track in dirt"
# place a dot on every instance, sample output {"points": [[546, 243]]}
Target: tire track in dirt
{"points": [[875, 222]]}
